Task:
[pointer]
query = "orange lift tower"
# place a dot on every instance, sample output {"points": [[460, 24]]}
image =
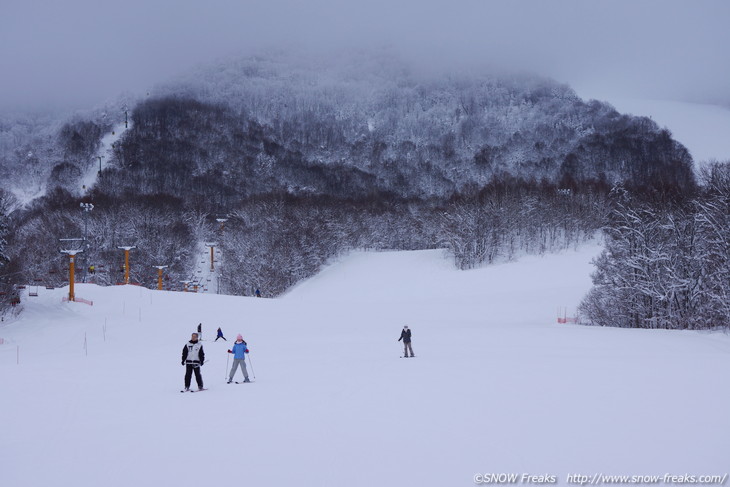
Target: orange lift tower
{"points": [[126, 261], [212, 247], [71, 264], [159, 275]]}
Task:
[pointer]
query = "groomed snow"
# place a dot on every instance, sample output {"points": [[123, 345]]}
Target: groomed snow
{"points": [[497, 385]]}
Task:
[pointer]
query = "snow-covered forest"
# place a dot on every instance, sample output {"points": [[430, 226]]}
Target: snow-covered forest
{"points": [[309, 161], [667, 261]]}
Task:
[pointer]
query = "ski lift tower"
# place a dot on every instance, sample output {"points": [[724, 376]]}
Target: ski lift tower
{"points": [[86, 207], [159, 275], [222, 222], [126, 261], [212, 260], [75, 246]]}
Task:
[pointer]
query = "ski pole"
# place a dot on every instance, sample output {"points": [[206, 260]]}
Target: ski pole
{"points": [[251, 364], [228, 357]]}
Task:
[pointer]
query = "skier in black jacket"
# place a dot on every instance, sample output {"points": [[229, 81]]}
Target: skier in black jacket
{"points": [[193, 357], [405, 335]]}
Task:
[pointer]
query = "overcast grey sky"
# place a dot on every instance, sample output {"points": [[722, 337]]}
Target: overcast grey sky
{"points": [[78, 53]]}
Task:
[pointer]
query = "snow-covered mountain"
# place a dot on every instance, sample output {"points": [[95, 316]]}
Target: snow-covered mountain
{"points": [[357, 125], [373, 124], [90, 393], [702, 128], [312, 159]]}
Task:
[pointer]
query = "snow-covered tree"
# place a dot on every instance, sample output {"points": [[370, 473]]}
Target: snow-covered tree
{"points": [[713, 220], [666, 262], [5, 282]]}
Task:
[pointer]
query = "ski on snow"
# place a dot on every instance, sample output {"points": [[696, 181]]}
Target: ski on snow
{"points": [[199, 390]]}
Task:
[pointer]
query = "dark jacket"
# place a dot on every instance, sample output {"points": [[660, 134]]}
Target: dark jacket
{"points": [[188, 353], [405, 335]]}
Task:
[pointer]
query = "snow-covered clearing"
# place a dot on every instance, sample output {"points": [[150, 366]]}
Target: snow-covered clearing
{"points": [[497, 385]]}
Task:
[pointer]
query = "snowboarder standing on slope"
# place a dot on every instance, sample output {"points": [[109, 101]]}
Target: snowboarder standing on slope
{"points": [[405, 335], [220, 335], [200, 330], [239, 351], [193, 357]]}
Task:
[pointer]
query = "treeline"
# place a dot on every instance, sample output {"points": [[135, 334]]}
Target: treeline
{"points": [[273, 241], [667, 260], [164, 233], [6, 290]]}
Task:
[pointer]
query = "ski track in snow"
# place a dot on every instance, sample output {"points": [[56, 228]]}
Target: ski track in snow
{"points": [[498, 386], [105, 152], [206, 276]]}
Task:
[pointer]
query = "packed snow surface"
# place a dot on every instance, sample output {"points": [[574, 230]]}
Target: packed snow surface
{"points": [[497, 385]]}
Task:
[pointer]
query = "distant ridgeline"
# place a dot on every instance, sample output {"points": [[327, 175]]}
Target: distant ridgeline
{"points": [[308, 162]]}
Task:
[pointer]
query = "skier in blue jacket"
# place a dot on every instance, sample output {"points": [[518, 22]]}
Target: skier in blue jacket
{"points": [[219, 334], [239, 351]]}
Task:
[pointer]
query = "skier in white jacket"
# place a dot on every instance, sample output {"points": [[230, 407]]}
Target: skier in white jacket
{"points": [[193, 357]]}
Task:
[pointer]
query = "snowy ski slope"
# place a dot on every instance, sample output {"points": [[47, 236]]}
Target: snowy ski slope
{"points": [[106, 152], [497, 385]]}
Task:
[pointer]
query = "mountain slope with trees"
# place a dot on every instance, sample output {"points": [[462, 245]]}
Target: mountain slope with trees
{"points": [[311, 159], [374, 127]]}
